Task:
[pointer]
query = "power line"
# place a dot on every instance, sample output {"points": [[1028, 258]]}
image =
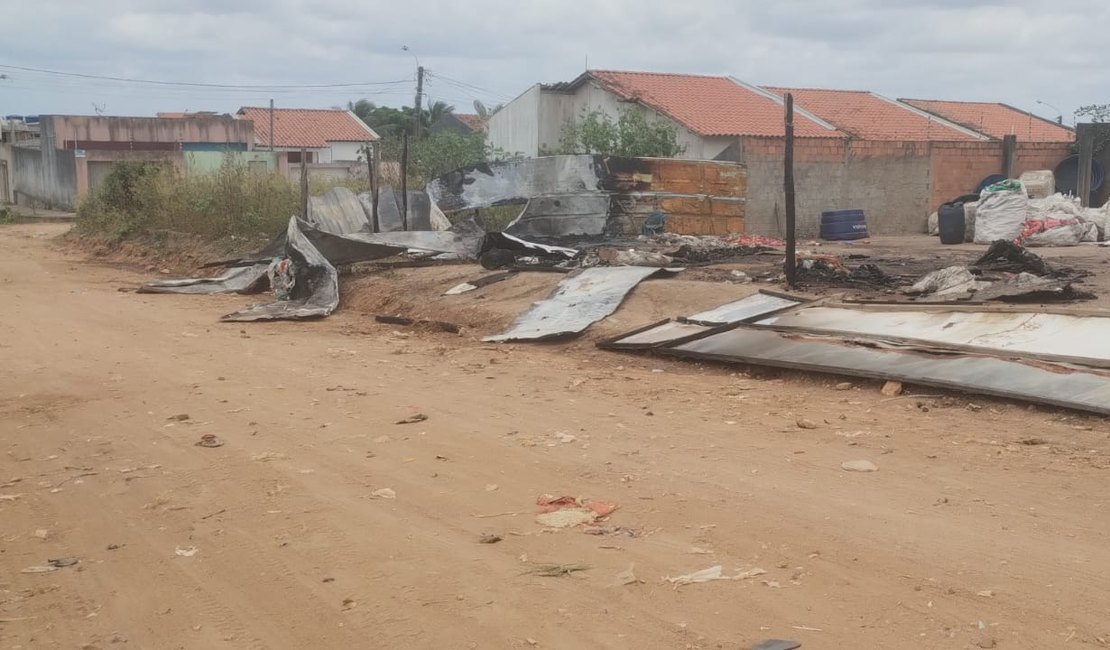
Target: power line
{"points": [[199, 84]]}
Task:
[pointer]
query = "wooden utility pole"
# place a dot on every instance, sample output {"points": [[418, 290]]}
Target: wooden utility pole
{"points": [[404, 181], [370, 163], [304, 184], [1085, 135], [788, 188], [271, 125], [419, 102]]}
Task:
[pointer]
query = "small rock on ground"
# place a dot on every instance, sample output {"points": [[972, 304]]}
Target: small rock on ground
{"points": [[776, 644], [859, 466], [892, 388]]}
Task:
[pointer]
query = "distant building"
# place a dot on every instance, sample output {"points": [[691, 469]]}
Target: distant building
{"points": [[74, 153], [461, 123], [327, 135]]}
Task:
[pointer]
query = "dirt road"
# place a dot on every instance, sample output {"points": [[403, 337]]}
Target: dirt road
{"points": [[282, 538]]}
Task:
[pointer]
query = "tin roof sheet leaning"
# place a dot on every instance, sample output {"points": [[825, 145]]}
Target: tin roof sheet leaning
{"points": [[1048, 357], [672, 331]]}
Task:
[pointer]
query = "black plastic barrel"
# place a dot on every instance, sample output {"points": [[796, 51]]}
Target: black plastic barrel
{"points": [[838, 225], [950, 221], [1067, 176]]}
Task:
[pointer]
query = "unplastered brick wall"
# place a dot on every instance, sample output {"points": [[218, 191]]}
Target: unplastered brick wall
{"points": [[958, 167], [896, 183]]}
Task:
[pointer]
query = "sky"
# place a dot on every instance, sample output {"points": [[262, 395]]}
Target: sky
{"points": [[324, 53]]}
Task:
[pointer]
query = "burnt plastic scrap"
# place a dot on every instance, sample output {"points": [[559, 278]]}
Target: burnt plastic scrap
{"points": [[316, 292]]}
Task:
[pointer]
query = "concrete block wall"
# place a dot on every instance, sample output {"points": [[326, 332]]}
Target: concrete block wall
{"points": [[887, 180], [896, 183]]}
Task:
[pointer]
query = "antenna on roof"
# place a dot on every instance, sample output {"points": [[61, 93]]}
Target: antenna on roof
{"points": [[98, 108]]}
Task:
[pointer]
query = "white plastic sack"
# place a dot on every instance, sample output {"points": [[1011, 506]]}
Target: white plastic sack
{"points": [[1056, 206], [1039, 183], [1069, 235], [970, 210], [934, 224], [1090, 232], [1000, 215]]}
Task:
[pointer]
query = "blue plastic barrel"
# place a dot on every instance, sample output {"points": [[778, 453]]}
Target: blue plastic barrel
{"points": [[1067, 176], [950, 221], [839, 225]]}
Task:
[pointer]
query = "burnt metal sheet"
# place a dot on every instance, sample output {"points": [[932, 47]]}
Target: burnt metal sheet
{"points": [[242, 279], [593, 195], [563, 215], [1076, 337], [338, 211], [316, 292], [580, 300], [516, 181], [1031, 381]]}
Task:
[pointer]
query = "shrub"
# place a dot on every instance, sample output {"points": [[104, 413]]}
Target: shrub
{"points": [[141, 197]]}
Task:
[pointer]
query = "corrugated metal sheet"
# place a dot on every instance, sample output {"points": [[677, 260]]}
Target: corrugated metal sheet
{"points": [[1038, 382], [1000, 332], [671, 332], [594, 195], [579, 301]]}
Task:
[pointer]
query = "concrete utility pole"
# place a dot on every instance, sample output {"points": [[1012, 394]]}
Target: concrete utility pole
{"points": [[271, 125], [419, 101]]}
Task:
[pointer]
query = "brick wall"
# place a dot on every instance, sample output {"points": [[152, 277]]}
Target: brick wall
{"points": [[897, 184], [958, 167]]}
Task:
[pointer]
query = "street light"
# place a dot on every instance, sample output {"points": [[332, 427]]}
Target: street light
{"points": [[419, 92], [1059, 113]]}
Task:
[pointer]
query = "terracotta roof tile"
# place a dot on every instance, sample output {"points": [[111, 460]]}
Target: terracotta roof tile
{"points": [[870, 117], [708, 105], [996, 120], [473, 121], [310, 128]]}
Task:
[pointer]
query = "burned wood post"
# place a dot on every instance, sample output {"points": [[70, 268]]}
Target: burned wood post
{"points": [[371, 162], [304, 184], [788, 189], [1085, 136], [404, 181], [1009, 154]]}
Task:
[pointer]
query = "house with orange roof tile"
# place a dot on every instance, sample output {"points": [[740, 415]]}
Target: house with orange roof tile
{"points": [[896, 160], [326, 135]]}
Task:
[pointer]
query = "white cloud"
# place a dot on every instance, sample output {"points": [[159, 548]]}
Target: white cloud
{"points": [[1015, 52]]}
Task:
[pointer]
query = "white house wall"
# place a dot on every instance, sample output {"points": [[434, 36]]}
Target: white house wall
{"points": [[590, 97], [515, 128], [342, 152]]}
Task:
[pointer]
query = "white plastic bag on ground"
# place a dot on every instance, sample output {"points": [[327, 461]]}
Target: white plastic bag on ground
{"points": [[970, 210], [933, 227], [1090, 232], [1039, 183], [1056, 206], [1000, 215], [1066, 235]]}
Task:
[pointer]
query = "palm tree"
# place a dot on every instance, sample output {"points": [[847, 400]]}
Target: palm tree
{"points": [[435, 112]]}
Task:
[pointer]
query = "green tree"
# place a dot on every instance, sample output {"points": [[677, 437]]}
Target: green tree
{"points": [[630, 135], [1094, 112], [389, 121]]}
